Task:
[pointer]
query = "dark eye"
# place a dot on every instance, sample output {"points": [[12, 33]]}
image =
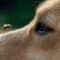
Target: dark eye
{"points": [[43, 29]]}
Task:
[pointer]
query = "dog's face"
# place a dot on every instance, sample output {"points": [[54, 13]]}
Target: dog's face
{"points": [[46, 34], [39, 40]]}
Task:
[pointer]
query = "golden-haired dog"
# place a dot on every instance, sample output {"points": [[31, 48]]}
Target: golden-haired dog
{"points": [[39, 40]]}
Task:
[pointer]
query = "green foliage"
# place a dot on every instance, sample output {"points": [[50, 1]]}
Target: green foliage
{"points": [[21, 12]]}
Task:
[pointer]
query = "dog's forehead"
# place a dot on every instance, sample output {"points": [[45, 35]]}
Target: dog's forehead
{"points": [[52, 16]]}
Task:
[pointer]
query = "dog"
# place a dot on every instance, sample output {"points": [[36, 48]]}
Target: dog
{"points": [[38, 40]]}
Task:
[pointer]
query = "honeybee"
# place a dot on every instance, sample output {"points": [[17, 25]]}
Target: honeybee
{"points": [[5, 28]]}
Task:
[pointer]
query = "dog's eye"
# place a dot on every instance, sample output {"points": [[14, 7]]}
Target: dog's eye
{"points": [[43, 29]]}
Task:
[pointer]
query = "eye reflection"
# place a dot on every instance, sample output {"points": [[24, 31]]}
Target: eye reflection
{"points": [[43, 29]]}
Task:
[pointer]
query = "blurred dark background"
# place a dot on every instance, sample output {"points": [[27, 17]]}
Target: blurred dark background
{"points": [[17, 12]]}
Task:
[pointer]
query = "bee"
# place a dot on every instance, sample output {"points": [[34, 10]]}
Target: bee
{"points": [[5, 28]]}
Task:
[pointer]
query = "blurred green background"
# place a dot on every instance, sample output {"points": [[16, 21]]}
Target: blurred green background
{"points": [[17, 12]]}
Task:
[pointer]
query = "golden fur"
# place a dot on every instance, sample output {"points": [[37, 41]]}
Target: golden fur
{"points": [[26, 44]]}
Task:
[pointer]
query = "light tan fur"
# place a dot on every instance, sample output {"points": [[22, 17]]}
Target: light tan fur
{"points": [[26, 44]]}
